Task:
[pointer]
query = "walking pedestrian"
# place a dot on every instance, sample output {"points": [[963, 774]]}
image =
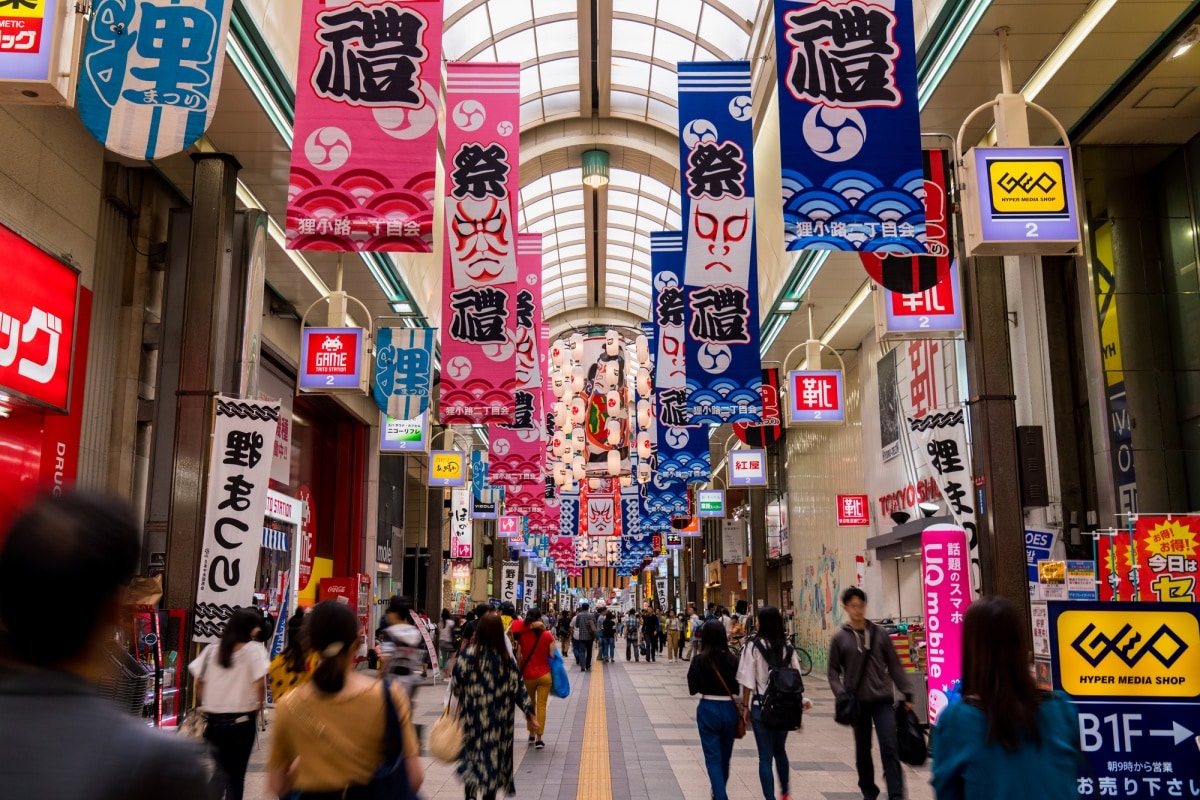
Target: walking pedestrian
{"points": [[401, 647], [674, 626], [712, 675], [535, 645], [563, 629], [293, 667], [1006, 740], [60, 737], [768, 650], [446, 644], [650, 629], [608, 635], [330, 735], [584, 629], [631, 636], [488, 688], [694, 634], [230, 687], [863, 661]]}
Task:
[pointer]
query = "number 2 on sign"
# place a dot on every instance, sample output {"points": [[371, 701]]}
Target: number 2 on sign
{"points": [[329, 380], [1031, 230]]}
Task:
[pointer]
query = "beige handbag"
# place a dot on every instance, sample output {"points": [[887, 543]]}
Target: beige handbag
{"points": [[446, 736]]}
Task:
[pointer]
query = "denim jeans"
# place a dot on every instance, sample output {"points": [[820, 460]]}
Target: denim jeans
{"points": [[883, 715], [772, 747], [608, 647], [717, 721]]}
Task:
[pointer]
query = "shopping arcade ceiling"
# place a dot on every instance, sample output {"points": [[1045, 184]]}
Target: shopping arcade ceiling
{"points": [[630, 87]]}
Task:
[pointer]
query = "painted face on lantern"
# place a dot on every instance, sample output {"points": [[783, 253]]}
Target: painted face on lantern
{"points": [[719, 241], [481, 241]]}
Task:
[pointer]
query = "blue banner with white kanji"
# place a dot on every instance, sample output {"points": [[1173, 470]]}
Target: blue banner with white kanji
{"points": [[850, 122], [720, 274], [485, 498], [150, 73], [403, 371]]}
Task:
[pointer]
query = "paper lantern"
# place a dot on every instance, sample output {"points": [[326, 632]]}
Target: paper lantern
{"points": [[558, 352], [577, 379], [594, 484], [626, 481], [643, 382], [643, 473], [641, 349], [578, 468], [644, 450], [614, 463], [612, 343], [613, 430], [612, 402]]}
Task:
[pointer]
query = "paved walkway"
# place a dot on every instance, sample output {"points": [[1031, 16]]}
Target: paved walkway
{"points": [[628, 732]]}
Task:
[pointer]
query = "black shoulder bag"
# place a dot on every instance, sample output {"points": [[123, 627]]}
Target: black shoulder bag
{"points": [[845, 705]]}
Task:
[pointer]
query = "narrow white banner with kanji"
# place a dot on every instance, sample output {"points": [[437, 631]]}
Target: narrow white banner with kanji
{"points": [[238, 473]]}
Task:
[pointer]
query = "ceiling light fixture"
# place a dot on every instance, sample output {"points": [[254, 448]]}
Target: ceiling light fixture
{"points": [[788, 306], [595, 168], [1082, 29], [1189, 38]]}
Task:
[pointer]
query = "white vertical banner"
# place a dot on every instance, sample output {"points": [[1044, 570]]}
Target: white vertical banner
{"points": [[530, 591], [460, 524], [508, 582], [660, 586], [941, 436], [238, 473]]}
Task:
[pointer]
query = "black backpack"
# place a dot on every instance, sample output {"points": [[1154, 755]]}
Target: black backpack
{"points": [[782, 703]]}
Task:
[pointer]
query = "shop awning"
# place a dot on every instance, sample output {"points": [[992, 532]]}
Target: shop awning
{"points": [[904, 540], [275, 540]]}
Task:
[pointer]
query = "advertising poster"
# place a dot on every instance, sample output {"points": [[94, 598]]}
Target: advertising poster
{"points": [[720, 280], [479, 274], [1158, 560], [364, 146], [150, 73], [403, 371], [945, 566], [852, 176], [461, 529]]}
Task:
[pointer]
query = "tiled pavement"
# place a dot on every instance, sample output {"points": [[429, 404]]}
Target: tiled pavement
{"points": [[653, 750]]}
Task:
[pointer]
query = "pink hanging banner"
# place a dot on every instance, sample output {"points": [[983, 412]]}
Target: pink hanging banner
{"points": [[479, 274], [364, 144], [945, 563], [515, 451]]}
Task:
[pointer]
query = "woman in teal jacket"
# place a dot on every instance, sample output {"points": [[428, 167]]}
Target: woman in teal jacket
{"points": [[1005, 740]]}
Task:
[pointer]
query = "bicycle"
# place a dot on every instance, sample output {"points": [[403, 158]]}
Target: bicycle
{"points": [[806, 663]]}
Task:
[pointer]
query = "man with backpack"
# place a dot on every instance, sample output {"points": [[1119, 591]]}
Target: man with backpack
{"points": [[772, 697], [631, 636], [584, 629]]}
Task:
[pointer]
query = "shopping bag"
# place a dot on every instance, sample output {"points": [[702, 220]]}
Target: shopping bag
{"points": [[910, 737], [560, 683]]}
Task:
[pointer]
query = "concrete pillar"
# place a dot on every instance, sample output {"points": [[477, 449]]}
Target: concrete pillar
{"points": [[758, 547], [434, 545], [202, 367]]}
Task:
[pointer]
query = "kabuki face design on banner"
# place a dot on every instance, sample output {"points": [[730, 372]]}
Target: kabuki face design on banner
{"points": [[478, 216], [721, 219], [601, 516]]}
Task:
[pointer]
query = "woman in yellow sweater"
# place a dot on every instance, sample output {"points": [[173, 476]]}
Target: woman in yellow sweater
{"points": [[294, 666], [329, 736]]}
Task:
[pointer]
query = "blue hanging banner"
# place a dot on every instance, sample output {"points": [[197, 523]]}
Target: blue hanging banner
{"points": [[720, 277], [485, 498], [403, 371], [848, 111], [150, 73]]}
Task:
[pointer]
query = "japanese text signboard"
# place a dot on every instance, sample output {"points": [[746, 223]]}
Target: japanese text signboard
{"points": [[485, 498], [26, 35], [403, 435], [720, 298], [331, 359], [150, 73], [446, 468], [1133, 672], [816, 397], [403, 371], [1020, 200], [37, 324], [461, 528], [747, 468], [853, 510], [364, 146], [1038, 544], [479, 273], [508, 582], [1160, 560], [936, 312], [852, 174], [710, 503], [239, 471], [946, 568]]}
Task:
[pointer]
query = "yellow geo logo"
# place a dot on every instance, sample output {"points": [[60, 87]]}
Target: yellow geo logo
{"points": [[1133, 653], [1027, 188]]}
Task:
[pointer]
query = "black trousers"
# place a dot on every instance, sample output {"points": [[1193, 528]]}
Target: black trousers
{"points": [[233, 742], [882, 715], [631, 646]]}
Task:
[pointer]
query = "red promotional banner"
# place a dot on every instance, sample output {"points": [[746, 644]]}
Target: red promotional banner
{"points": [[1159, 562], [364, 146], [479, 274]]}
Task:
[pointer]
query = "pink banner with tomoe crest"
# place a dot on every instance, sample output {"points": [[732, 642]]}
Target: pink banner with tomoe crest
{"points": [[364, 146], [479, 275]]}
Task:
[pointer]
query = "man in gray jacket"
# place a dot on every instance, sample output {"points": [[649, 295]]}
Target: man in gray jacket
{"points": [[59, 737], [584, 630], [862, 661]]}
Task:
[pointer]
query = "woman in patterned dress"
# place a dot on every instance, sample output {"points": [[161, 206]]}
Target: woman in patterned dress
{"points": [[488, 687]]}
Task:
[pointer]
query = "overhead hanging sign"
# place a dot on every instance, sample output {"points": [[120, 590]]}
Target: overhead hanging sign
{"points": [[508, 581], [461, 528], [747, 468], [816, 397], [403, 435], [946, 584], [236, 501], [479, 273], [720, 298], [331, 360], [771, 429], [37, 324], [733, 541], [485, 498], [934, 313], [853, 510], [403, 371], [710, 503], [1020, 201], [364, 144], [848, 108], [446, 468], [150, 73], [1158, 560]]}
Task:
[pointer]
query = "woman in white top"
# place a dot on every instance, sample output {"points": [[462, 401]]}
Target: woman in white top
{"points": [[230, 687], [769, 648]]}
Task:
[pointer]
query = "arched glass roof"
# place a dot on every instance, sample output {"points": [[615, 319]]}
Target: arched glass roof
{"points": [[646, 38], [553, 206]]}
